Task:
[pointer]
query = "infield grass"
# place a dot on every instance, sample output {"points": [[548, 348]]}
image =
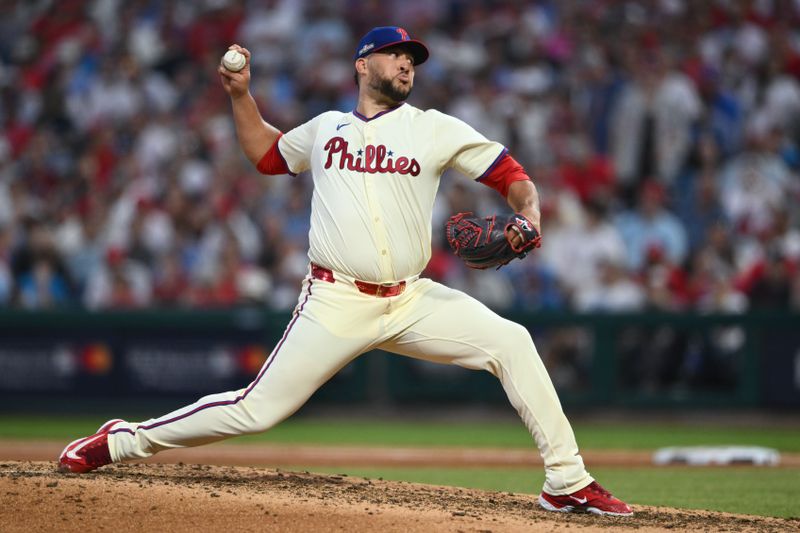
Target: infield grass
{"points": [[503, 434]]}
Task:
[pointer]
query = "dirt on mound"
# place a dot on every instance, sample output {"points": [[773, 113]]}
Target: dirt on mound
{"points": [[160, 497]]}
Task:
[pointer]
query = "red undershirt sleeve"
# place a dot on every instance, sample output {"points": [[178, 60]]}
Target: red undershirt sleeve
{"points": [[273, 163], [502, 173]]}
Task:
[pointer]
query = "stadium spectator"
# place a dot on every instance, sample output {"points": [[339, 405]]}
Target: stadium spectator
{"points": [[582, 252], [651, 229], [755, 183], [653, 119], [696, 192], [6, 278], [42, 286], [614, 291]]}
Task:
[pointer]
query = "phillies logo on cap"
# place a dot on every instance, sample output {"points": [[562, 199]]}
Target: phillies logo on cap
{"points": [[385, 36]]}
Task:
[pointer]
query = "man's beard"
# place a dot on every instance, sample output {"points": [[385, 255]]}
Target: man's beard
{"points": [[387, 89]]}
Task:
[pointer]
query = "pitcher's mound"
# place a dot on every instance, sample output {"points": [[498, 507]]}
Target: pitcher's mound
{"points": [[192, 498]]}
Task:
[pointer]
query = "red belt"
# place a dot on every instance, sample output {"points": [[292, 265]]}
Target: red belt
{"points": [[379, 290]]}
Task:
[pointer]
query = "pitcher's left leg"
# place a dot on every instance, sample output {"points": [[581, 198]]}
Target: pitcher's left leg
{"points": [[443, 325]]}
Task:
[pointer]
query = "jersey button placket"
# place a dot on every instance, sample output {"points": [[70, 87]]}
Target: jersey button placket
{"points": [[387, 270]]}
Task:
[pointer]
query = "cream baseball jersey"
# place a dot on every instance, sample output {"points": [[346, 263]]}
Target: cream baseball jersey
{"points": [[375, 180]]}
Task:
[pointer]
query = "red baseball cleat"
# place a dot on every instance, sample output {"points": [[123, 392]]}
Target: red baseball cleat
{"points": [[86, 454], [590, 499]]}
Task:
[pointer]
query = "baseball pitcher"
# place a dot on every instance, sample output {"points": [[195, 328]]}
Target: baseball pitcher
{"points": [[376, 171]]}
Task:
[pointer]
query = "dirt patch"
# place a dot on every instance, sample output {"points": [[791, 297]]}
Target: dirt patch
{"points": [[160, 497]]}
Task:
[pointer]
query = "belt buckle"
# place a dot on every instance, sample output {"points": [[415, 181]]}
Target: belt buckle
{"points": [[392, 289], [383, 288]]}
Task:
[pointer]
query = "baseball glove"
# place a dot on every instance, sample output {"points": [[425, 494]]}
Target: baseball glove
{"points": [[484, 242]]}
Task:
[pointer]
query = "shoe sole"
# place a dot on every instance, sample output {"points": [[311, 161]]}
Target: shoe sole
{"points": [[64, 466], [546, 505]]}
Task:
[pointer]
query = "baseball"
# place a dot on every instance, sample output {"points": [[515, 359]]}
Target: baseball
{"points": [[233, 60]]}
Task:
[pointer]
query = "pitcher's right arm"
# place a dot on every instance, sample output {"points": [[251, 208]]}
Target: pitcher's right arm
{"points": [[256, 135]]}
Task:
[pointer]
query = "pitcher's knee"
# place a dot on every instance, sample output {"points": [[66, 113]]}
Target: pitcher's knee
{"points": [[516, 344], [515, 338], [258, 424], [261, 420], [256, 429], [258, 415]]}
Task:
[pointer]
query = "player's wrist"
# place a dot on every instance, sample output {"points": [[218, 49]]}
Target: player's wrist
{"points": [[533, 217], [238, 96]]}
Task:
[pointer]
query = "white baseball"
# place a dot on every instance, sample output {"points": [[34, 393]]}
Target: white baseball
{"points": [[233, 60]]}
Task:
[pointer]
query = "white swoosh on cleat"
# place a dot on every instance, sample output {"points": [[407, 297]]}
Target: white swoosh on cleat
{"points": [[71, 453], [580, 500]]}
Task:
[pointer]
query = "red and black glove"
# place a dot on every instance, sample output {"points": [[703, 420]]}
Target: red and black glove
{"points": [[487, 242]]}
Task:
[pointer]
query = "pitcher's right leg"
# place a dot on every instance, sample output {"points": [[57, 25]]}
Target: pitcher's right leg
{"points": [[312, 349], [443, 325]]}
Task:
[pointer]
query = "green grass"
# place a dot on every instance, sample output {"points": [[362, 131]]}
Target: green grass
{"points": [[652, 436], [742, 490], [505, 434]]}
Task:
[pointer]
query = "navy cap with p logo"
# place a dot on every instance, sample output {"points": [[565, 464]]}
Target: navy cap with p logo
{"points": [[386, 36]]}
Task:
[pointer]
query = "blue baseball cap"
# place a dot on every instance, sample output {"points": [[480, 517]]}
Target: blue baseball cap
{"points": [[385, 36]]}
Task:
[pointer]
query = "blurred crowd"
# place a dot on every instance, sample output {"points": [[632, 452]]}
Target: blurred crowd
{"points": [[663, 135]]}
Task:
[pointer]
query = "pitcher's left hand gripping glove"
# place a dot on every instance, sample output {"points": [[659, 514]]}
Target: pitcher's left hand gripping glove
{"points": [[487, 242]]}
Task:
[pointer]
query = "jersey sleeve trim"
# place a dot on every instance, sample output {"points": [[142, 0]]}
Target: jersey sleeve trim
{"points": [[273, 163], [494, 164], [505, 172], [283, 159]]}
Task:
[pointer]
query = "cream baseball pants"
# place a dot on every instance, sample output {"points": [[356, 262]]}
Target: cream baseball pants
{"points": [[332, 324]]}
